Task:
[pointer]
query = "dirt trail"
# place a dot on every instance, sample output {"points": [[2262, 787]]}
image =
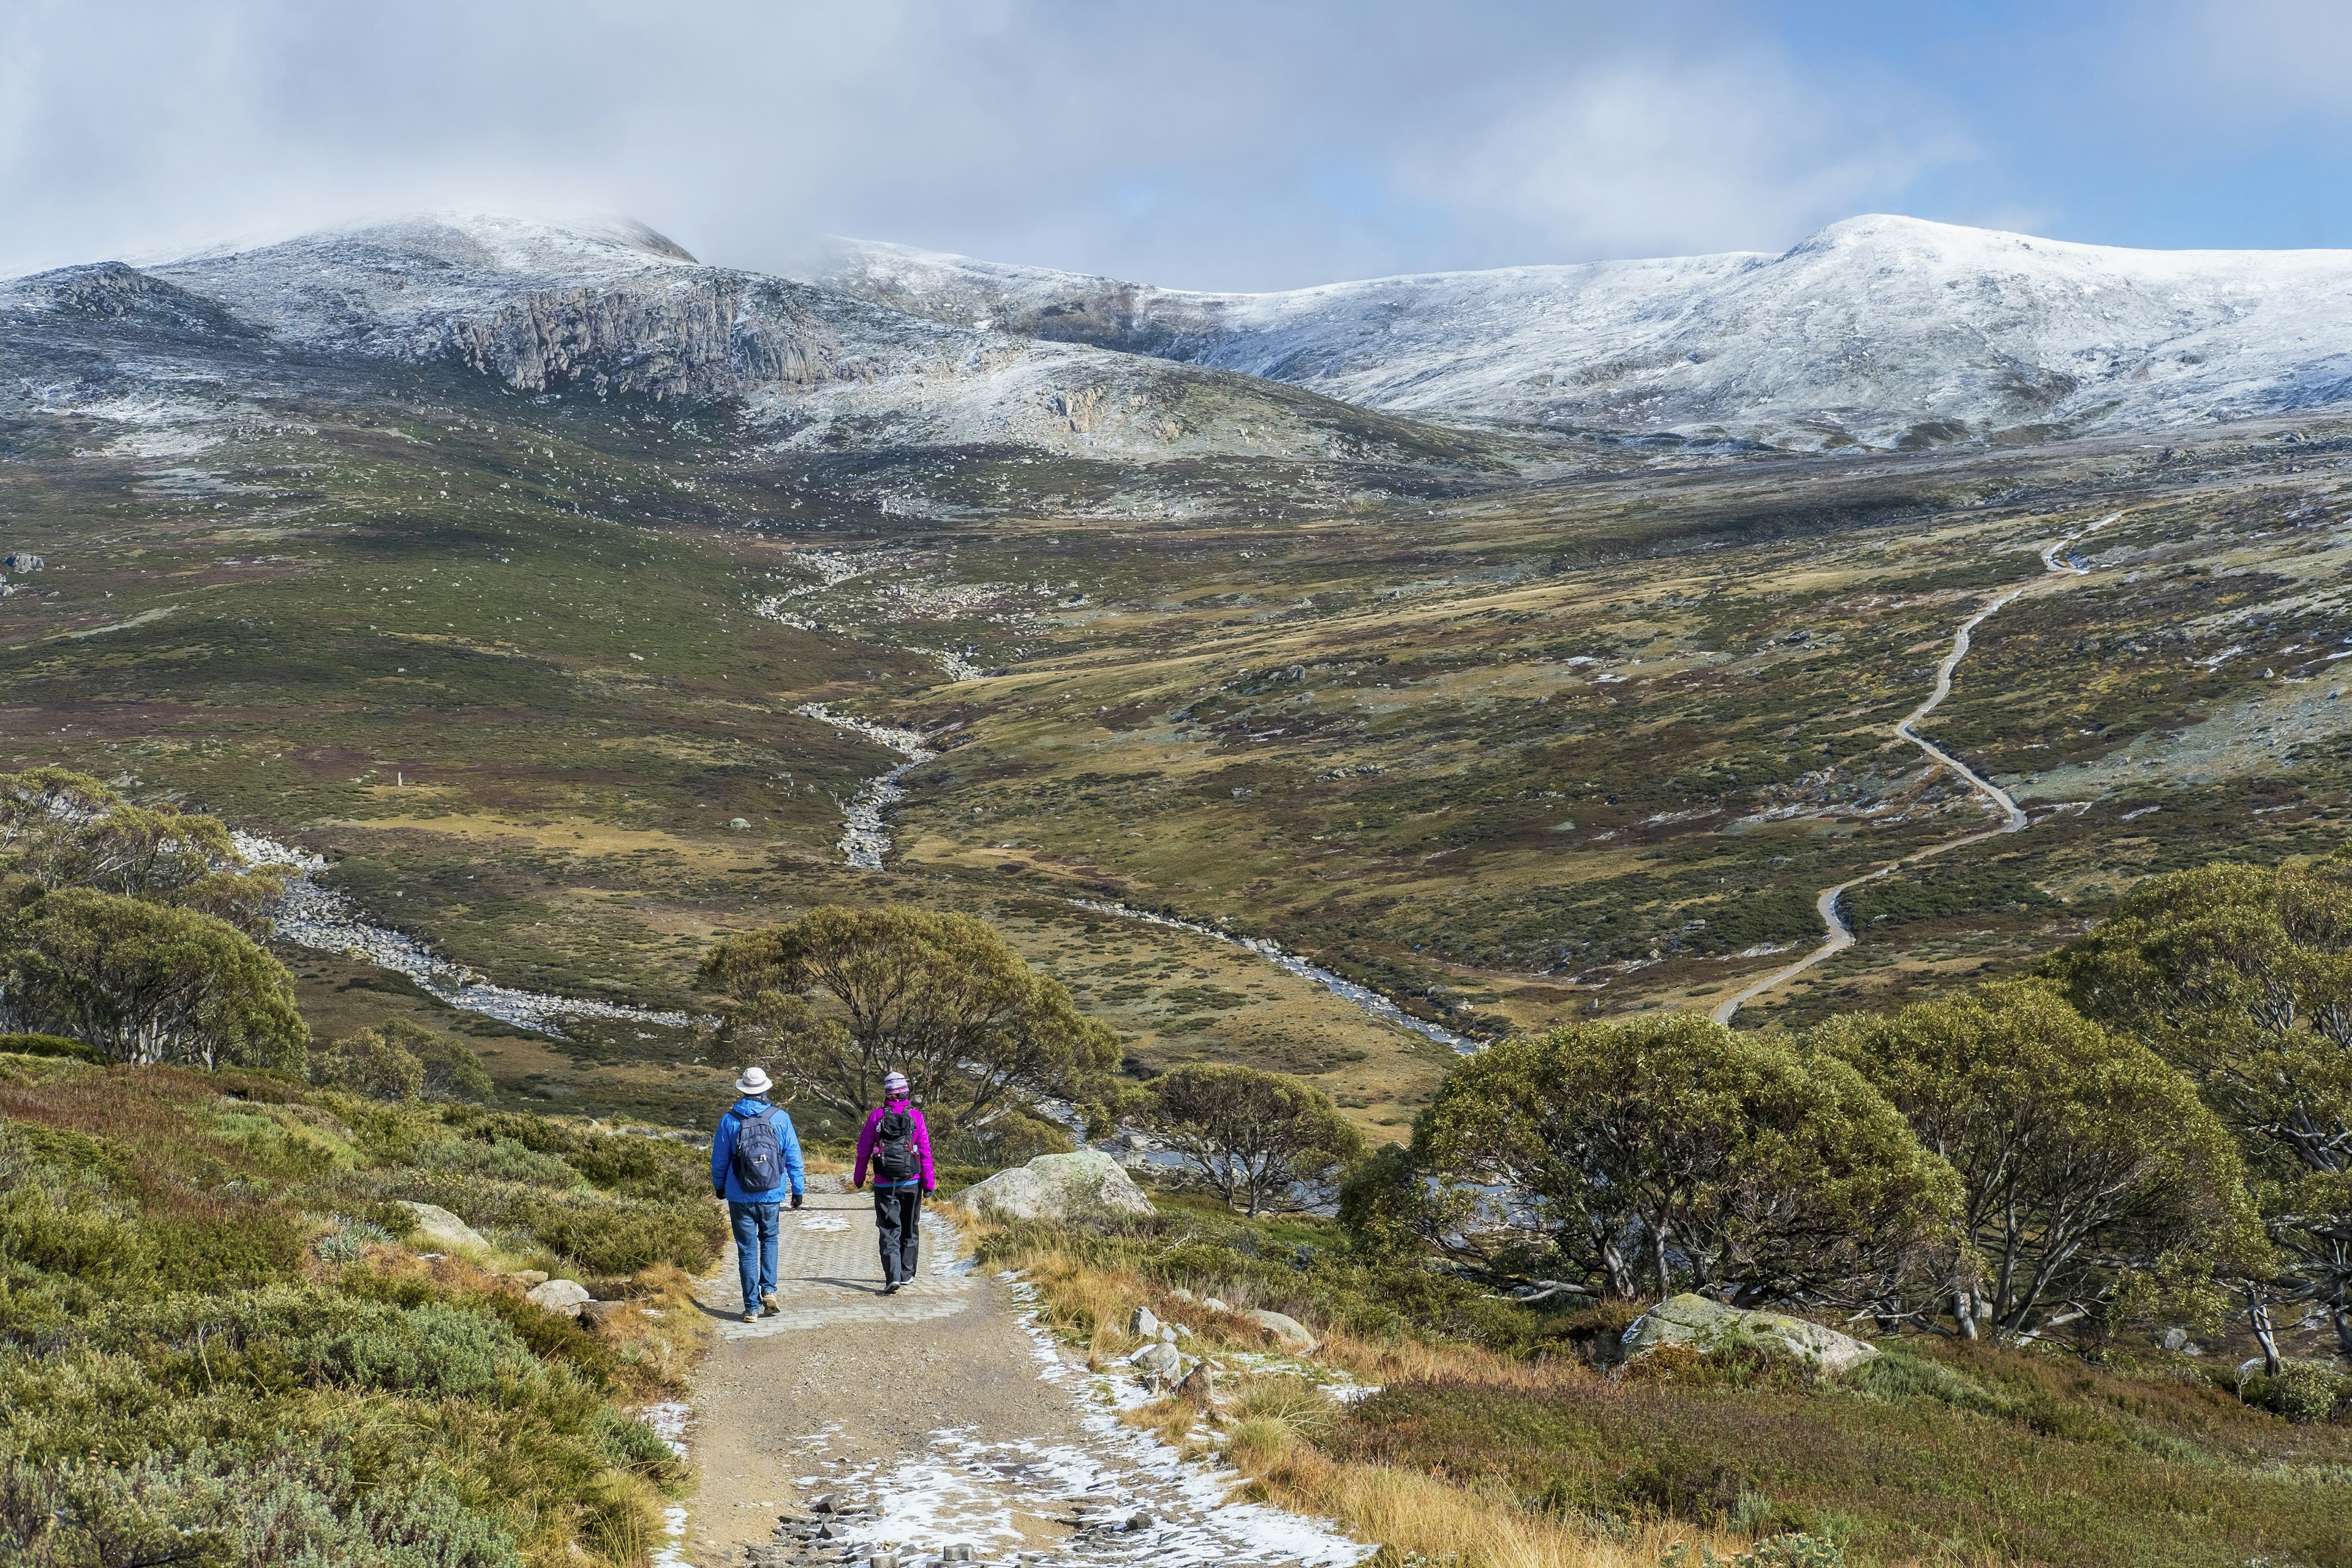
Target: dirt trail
{"points": [[2056, 561], [945, 1418]]}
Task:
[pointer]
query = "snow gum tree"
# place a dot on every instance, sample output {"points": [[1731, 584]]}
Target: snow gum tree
{"points": [[65, 830], [2096, 1185], [2241, 977], [835, 999], [1672, 1154], [1265, 1143], [147, 982]]}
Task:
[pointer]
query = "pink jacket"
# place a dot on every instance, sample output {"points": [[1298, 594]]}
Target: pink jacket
{"points": [[922, 1140]]}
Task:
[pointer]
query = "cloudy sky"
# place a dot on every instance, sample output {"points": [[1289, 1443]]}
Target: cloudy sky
{"points": [[1244, 145]]}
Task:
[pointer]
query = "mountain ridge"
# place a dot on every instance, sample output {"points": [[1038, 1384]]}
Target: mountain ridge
{"points": [[1876, 332]]}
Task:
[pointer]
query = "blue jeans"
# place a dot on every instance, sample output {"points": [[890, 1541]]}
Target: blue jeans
{"points": [[756, 1227]]}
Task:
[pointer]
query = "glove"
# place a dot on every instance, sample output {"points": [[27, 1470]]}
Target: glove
{"points": [[720, 1192], [796, 1200], [928, 1191]]}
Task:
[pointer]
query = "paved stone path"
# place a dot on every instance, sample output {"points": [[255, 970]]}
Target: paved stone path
{"points": [[939, 1418]]}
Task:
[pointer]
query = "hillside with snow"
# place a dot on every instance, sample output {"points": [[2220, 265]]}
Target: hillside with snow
{"points": [[1877, 332], [614, 310]]}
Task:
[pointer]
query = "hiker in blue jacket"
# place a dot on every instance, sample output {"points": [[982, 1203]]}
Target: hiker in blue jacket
{"points": [[753, 1156]]}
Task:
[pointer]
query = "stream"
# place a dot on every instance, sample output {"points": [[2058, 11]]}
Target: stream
{"points": [[2057, 559], [318, 917]]}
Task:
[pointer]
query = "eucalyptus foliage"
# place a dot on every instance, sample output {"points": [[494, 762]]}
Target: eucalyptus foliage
{"points": [[1672, 1154]]}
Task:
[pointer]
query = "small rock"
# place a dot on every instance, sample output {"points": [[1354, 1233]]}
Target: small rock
{"points": [[823, 1504], [1183, 1333], [1145, 1325], [955, 1553], [1293, 1334], [564, 1296], [1139, 1520], [1162, 1361], [1215, 1305], [437, 1227], [1181, 1294], [1197, 1387], [530, 1276], [739, 823], [882, 1559], [2174, 1338], [1167, 1335]]}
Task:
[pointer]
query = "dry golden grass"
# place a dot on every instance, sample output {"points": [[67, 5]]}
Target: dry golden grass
{"points": [[1264, 1423]]}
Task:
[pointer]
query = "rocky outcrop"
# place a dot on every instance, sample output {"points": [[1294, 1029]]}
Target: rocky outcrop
{"points": [[562, 1296], [1087, 1185], [1295, 1335], [1694, 1320], [439, 1230]]}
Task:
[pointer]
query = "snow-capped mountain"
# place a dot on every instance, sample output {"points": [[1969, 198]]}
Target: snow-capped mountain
{"points": [[616, 309], [1885, 331]]}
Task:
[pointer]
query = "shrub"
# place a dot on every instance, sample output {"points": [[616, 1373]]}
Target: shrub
{"points": [[2304, 1390], [367, 1063]]}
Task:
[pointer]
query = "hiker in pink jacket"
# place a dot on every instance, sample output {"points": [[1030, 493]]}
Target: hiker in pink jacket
{"points": [[896, 1144]]}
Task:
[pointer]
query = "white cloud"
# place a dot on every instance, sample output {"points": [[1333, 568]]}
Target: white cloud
{"points": [[1225, 143], [1638, 158]]}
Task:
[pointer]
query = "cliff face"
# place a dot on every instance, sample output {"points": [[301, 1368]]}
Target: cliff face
{"points": [[720, 336]]}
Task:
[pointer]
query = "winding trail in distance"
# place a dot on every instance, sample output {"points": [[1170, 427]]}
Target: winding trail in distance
{"points": [[1838, 936]]}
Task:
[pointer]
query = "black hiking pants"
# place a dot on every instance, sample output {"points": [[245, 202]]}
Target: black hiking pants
{"points": [[898, 1220]]}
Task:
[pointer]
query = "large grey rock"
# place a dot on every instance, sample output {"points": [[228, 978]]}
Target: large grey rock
{"points": [[1087, 1185], [564, 1296], [1293, 1334], [1688, 1319], [1145, 1324], [438, 1230]]}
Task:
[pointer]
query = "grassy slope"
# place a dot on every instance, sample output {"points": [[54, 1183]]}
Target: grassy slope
{"points": [[203, 1327], [402, 627], [1494, 1435]]}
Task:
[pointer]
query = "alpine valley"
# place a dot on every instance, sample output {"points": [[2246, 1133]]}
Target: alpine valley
{"points": [[1428, 657]]}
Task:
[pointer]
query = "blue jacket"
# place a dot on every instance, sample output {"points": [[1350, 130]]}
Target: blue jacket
{"points": [[722, 1154]]}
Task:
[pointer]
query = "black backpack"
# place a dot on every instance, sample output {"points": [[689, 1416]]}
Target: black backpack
{"points": [[894, 1148], [758, 1160]]}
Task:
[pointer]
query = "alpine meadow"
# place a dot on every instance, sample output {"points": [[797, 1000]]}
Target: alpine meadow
{"points": [[1672, 911]]}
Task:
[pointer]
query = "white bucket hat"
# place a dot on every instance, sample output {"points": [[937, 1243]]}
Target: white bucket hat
{"points": [[753, 1082]]}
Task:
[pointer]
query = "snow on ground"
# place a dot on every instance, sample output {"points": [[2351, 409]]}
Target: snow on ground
{"points": [[1872, 329]]}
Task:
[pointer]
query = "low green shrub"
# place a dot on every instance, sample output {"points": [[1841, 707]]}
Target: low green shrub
{"points": [[184, 1382]]}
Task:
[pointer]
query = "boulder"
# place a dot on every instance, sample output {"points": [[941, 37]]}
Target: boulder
{"points": [[1087, 1185], [1145, 1324], [564, 1296], [1293, 1334], [1688, 1319], [438, 1230]]}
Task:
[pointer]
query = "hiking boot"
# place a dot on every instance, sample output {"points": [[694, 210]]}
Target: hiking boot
{"points": [[750, 1317], [768, 1308]]}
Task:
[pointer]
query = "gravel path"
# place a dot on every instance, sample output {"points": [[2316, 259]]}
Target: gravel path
{"points": [[2058, 561], [939, 1418]]}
